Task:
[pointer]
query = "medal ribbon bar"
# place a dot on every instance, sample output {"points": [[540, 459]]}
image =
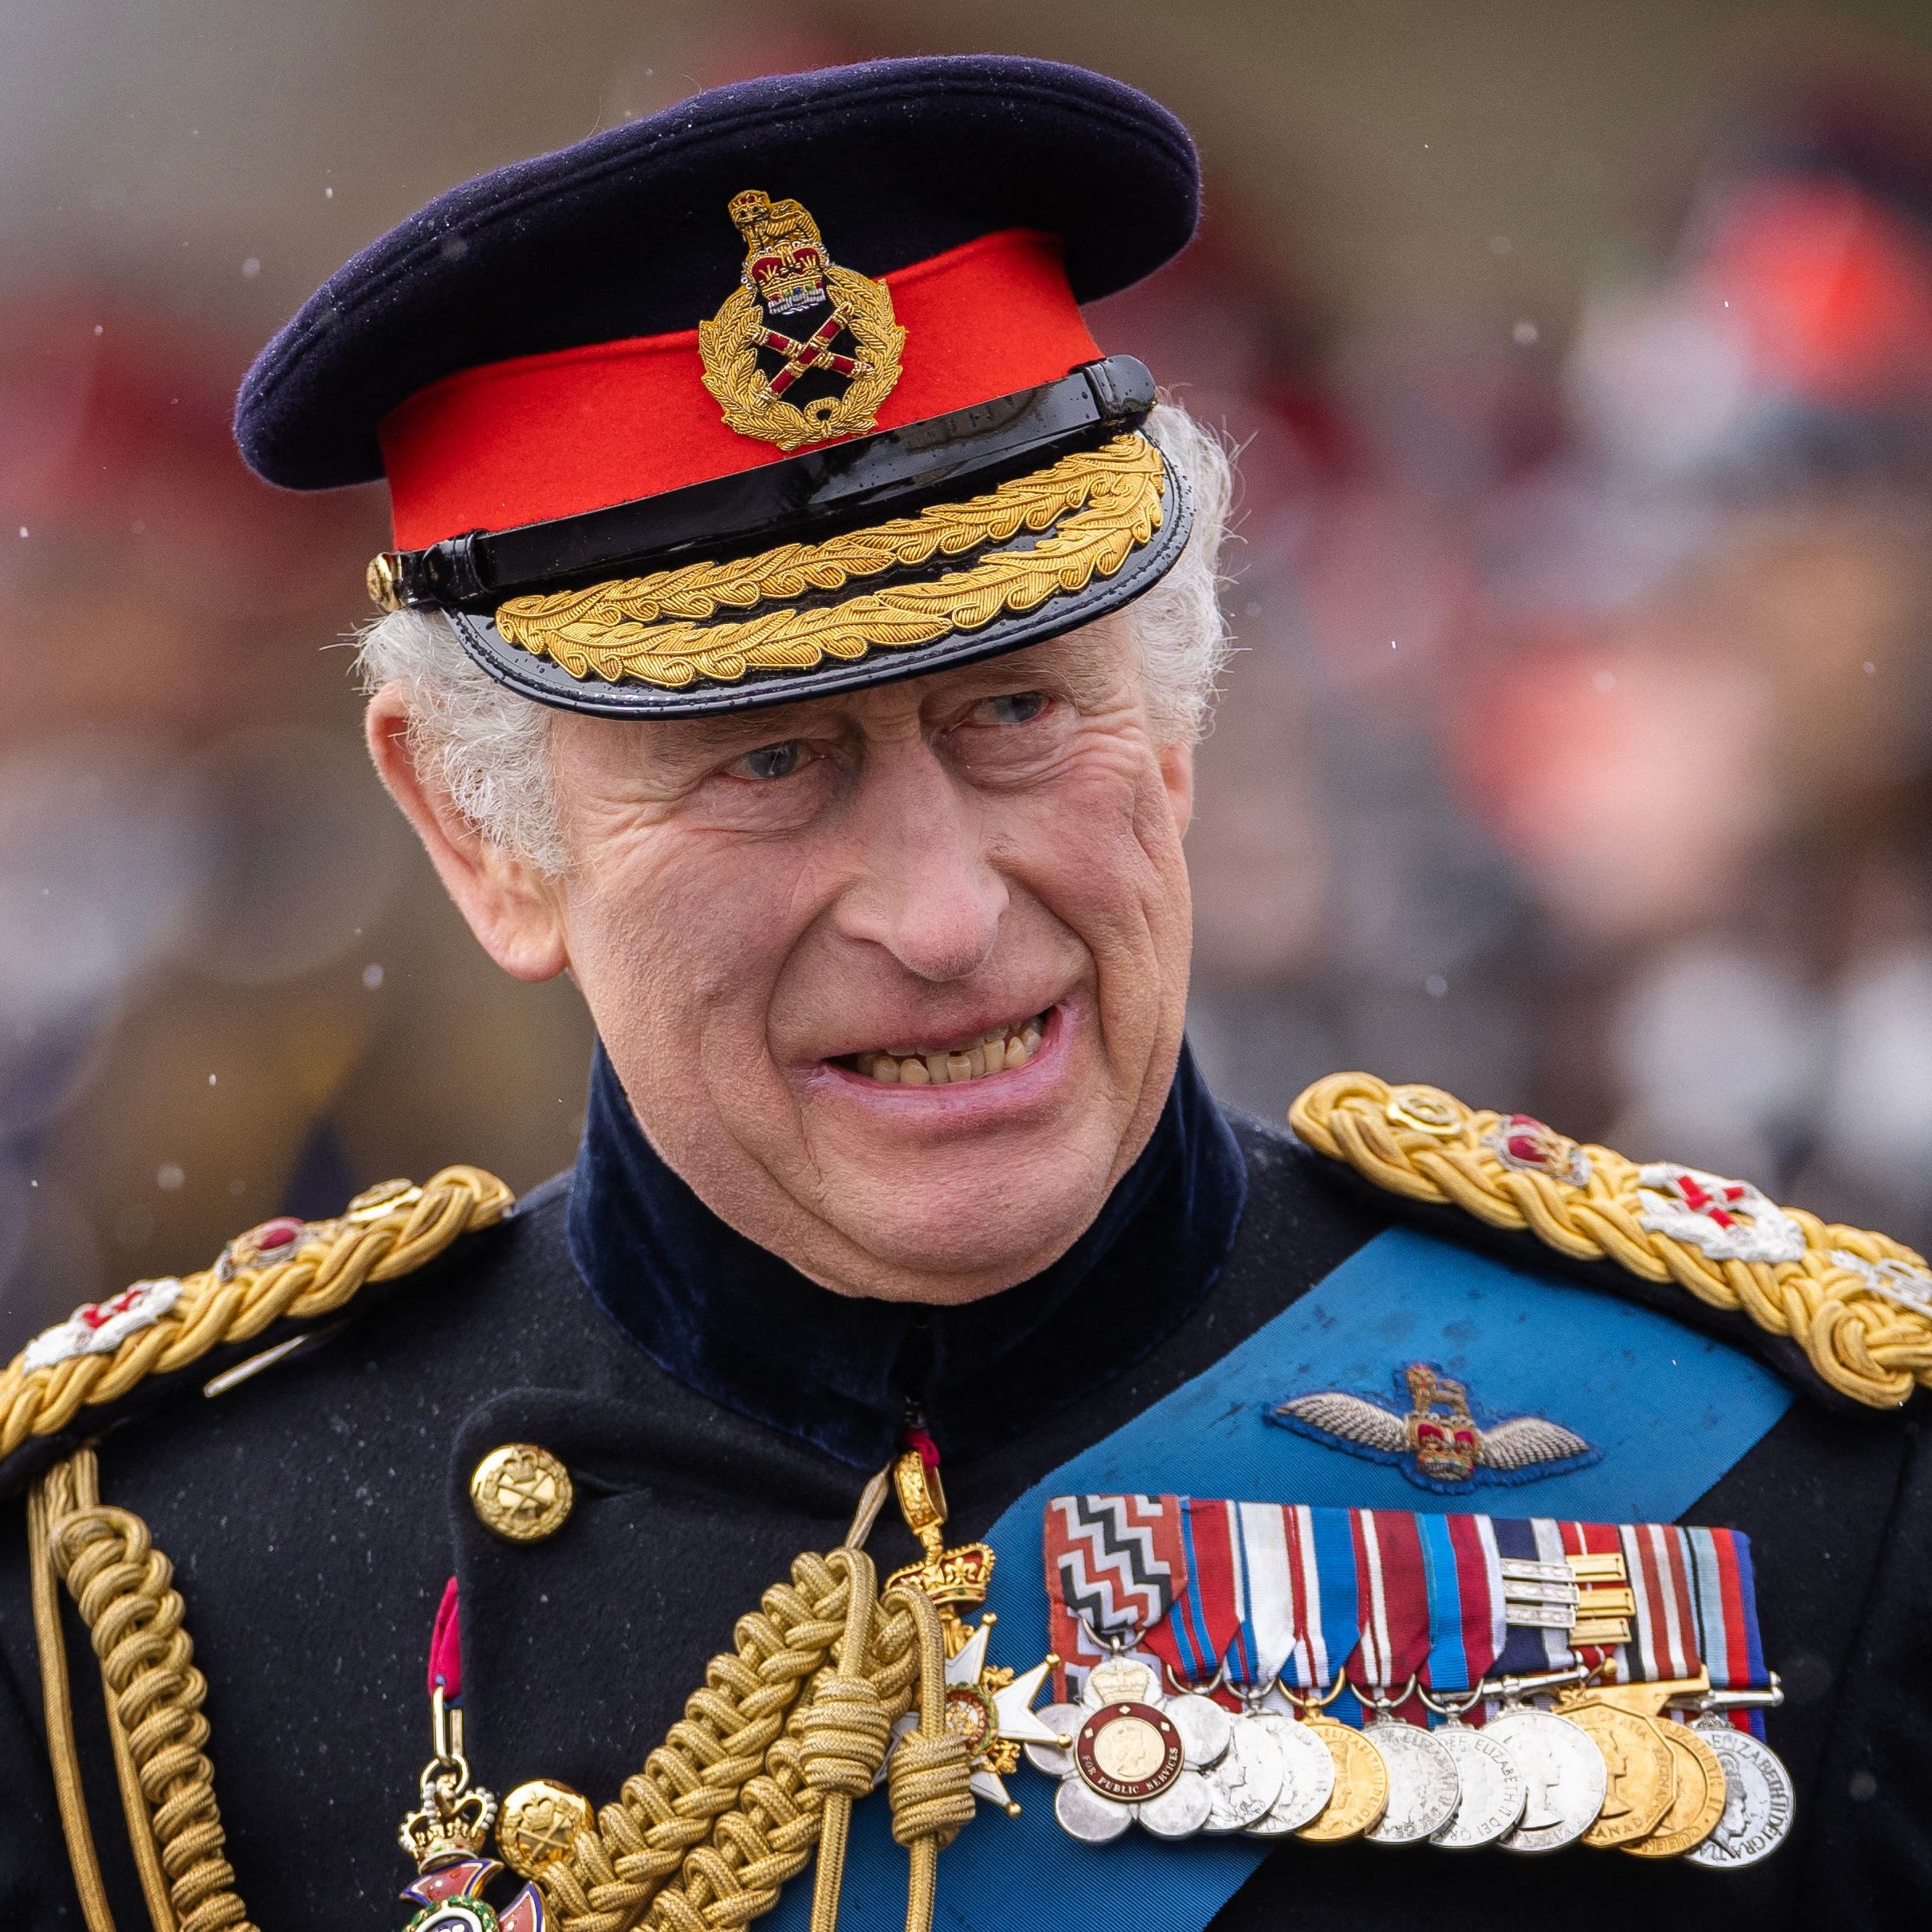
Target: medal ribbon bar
{"points": [[1253, 1590]]}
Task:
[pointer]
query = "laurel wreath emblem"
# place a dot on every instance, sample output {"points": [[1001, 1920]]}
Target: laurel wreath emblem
{"points": [[728, 344], [1095, 508]]}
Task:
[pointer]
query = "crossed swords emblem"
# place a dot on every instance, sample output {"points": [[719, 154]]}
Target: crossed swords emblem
{"points": [[814, 352]]}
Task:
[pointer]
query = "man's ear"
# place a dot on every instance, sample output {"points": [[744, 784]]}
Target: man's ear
{"points": [[507, 902]]}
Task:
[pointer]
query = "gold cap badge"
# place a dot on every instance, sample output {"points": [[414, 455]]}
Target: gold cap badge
{"points": [[802, 350]]}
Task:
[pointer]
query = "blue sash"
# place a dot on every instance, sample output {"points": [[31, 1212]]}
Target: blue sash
{"points": [[1671, 1410]]}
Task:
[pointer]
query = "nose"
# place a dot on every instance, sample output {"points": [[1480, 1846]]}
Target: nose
{"points": [[924, 886]]}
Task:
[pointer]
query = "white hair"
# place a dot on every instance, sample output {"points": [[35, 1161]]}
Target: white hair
{"points": [[489, 749]]}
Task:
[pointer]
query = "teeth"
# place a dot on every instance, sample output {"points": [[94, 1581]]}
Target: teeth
{"points": [[1003, 1051]]}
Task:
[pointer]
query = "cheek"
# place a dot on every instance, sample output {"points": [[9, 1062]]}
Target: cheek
{"points": [[676, 970], [1102, 849]]}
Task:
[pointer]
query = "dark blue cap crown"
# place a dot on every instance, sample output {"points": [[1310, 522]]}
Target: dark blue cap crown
{"points": [[622, 235]]}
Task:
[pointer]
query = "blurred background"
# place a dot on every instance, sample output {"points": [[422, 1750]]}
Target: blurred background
{"points": [[1580, 746]]}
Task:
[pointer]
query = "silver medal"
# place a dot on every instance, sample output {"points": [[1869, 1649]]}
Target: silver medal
{"points": [[1758, 1799], [1248, 1779], [1087, 1816], [1204, 1727], [1492, 1789], [1123, 1680], [1180, 1811], [1423, 1790], [1564, 1778], [1056, 1760], [1134, 1755], [1308, 1776]]}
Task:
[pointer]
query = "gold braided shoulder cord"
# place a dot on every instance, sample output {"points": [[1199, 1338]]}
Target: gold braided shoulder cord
{"points": [[1100, 505], [1858, 1303], [124, 1588], [387, 1231], [787, 1730]]}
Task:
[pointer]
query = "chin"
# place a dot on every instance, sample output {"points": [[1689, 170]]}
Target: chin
{"points": [[961, 1231]]}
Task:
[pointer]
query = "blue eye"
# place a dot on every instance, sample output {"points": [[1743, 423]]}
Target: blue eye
{"points": [[1016, 707], [771, 761]]}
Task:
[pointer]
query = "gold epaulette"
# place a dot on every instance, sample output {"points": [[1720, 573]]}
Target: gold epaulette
{"points": [[284, 1272], [1857, 1303]]}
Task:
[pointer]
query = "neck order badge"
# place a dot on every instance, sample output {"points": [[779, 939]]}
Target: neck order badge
{"points": [[1494, 1325]]}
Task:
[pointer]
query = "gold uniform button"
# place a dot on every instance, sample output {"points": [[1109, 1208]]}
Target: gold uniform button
{"points": [[539, 1821], [521, 1492]]}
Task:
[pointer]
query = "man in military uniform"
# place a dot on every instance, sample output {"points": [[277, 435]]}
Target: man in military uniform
{"points": [[798, 630]]}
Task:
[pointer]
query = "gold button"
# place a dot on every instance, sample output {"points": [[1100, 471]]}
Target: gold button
{"points": [[521, 1492], [538, 1822]]}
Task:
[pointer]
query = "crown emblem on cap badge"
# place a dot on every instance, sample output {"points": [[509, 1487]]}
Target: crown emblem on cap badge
{"points": [[802, 351]]}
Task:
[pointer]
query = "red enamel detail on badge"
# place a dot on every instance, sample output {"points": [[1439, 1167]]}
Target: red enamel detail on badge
{"points": [[552, 436], [526, 1915], [457, 1878], [96, 1315], [1092, 1746]]}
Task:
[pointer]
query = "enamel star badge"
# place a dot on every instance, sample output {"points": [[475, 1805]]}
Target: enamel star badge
{"points": [[1441, 1440], [97, 1328], [992, 1709], [986, 1704]]}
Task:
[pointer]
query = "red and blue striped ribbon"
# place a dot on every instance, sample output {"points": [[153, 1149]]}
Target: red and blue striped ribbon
{"points": [[1314, 1594], [1208, 1622], [1462, 1568], [1391, 1571]]}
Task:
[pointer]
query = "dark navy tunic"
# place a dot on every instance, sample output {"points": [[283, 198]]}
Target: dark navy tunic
{"points": [[719, 1415]]}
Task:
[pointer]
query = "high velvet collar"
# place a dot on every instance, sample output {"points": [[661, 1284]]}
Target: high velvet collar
{"points": [[742, 1327]]}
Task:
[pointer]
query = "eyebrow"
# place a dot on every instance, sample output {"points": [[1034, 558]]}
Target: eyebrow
{"points": [[1071, 659]]}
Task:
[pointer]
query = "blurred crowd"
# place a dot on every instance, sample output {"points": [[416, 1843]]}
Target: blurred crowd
{"points": [[1577, 756], [228, 987], [1582, 745]]}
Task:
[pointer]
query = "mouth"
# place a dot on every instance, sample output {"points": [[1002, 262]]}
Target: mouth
{"points": [[1003, 1049]]}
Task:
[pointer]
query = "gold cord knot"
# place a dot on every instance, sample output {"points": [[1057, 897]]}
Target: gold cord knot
{"points": [[929, 1779], [763, 1768], [844, 1732]]}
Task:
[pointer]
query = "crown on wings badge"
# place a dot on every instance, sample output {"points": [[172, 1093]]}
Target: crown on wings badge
{"points": [[1440, 1441]]}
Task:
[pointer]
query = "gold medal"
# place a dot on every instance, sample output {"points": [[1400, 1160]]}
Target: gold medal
{"points": [[1640, 1773], [1699, 1801], [1361, 1792]]}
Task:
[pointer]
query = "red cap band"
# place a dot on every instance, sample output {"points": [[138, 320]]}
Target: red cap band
{"points": [[552, 435]]}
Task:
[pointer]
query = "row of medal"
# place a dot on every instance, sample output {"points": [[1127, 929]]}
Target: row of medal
{"points": [[1602, 1765]]}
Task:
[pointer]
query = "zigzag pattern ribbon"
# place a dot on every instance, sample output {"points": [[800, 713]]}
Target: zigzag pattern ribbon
{"points": [[1116, 1565]]}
